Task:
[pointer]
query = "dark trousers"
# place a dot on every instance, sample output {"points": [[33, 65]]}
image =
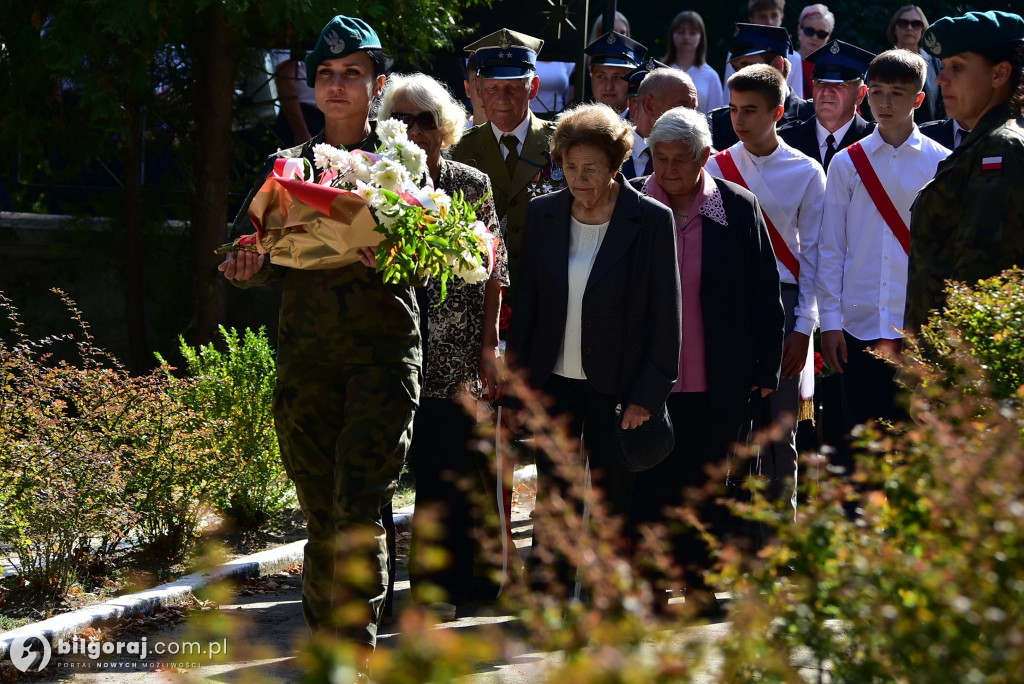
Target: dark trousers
{"points": [[703, 438], [591, 414], [869, 392], [449, 501]]}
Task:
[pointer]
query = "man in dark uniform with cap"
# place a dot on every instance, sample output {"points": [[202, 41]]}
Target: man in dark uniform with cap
{"points": [[968, 222], [658, 91], [512, 147], [348, 368], [757, 44], [839, 89], [612, 56]]}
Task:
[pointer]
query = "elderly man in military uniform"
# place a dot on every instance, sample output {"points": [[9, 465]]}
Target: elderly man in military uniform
{"points": [[612, 56], [968, 222], [348, 368], [512, 147], [757, 44], [838, 78]]}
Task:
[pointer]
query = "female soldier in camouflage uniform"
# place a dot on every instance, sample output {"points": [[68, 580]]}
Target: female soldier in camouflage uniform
{"points": [[348, 369], [968, 222]]}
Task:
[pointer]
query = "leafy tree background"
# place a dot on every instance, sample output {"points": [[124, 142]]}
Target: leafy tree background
{"points": [[95, 92]]}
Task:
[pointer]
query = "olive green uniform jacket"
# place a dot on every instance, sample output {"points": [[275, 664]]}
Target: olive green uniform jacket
{"points": [[479, 148], [967, 223]]}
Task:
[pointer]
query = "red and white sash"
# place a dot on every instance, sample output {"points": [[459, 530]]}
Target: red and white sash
{"points": [[741, 171], [876, 190]]}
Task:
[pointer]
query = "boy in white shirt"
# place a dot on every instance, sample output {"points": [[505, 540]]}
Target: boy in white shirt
{"points": [[790, 188], [862, 251]]}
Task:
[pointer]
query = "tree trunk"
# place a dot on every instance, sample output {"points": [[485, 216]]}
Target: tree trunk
{"points": [[134, 257], [216, 60]]}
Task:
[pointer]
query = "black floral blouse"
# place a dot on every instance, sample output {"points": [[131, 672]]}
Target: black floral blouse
{"points": [[453, 330]]}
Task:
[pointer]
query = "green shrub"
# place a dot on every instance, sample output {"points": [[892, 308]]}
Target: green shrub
{"points": [[234, 388], [914, 570], [92, 457], [981, 325]]}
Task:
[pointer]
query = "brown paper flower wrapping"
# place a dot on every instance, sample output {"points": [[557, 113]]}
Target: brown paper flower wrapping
{"points": [[308, 226]]}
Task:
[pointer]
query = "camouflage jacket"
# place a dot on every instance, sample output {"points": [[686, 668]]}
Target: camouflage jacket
{"points": [[967, 223], [336, 316]]}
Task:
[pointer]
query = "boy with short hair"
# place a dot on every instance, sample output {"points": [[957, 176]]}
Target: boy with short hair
{"points": [[790, 188], [862, 252]]}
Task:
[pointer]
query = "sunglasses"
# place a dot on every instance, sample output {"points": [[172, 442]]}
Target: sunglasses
{"points": [[915, 24], [808, 31], [427, 121]]}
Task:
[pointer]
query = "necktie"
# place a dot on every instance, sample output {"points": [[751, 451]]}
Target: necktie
{"points": [[511, 143], [831, 150], [649, 166], [961, 135]]}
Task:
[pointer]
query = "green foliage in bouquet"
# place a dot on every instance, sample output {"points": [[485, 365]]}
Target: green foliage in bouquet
{"points": [[418, 245], [981, 325], [233, 390]]}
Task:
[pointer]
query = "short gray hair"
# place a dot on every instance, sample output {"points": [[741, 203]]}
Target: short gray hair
{"points": [[429, 95], [682, 125]]}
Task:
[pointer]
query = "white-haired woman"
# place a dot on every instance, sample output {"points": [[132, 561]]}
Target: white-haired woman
{"points": [[732, 322], [816, 26], [460, 345]]}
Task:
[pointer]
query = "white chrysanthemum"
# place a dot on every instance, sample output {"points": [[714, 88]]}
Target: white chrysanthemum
{"points": [[390, 130], [366, 191], [414, 159], [387, 174], [327, 156], [471, 268], [443, 202], [361, 168]]}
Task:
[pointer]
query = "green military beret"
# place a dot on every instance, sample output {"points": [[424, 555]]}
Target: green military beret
{"points": [[342, 36], [991, 33]]}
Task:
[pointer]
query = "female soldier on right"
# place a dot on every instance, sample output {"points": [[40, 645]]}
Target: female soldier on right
{"points": [[968, 221]]}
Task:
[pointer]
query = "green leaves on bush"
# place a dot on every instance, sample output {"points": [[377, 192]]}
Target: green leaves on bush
{"points": [[982, 325], [924, 582], [233, 390], [92, 457]]}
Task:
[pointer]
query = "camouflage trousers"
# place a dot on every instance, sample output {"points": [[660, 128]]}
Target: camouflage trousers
{"points": [[344, 433]]}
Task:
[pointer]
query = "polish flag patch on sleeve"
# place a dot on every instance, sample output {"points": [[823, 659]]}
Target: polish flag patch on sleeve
{"points": [[991, 163]]}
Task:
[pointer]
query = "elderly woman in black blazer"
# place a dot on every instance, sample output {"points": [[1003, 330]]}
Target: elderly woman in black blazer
{"points": [[732, 321], [596, 317]]}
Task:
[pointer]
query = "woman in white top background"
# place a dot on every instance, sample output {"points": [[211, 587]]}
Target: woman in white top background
{"points": [[688, 50]]}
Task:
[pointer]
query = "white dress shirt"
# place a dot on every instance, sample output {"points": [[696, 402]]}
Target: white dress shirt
{"points": [[862, 268], [519, 131], [797, 186], [639, 158], [709, 87], [584, 243], [823, 134]]}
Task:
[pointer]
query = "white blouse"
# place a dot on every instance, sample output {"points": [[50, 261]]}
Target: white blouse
{"points": [[584, 243]]}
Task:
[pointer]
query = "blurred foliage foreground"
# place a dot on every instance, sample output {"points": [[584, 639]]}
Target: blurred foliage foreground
{"points": [[910, 570]]}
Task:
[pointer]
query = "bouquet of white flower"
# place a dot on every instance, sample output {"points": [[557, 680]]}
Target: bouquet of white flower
{"points": [[360, 197]]}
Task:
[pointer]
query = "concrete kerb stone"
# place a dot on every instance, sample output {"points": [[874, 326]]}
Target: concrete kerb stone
{"points": [[181, 590]]}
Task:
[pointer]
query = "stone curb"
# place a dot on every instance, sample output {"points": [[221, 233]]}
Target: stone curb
{"points": [[174, 593]]}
